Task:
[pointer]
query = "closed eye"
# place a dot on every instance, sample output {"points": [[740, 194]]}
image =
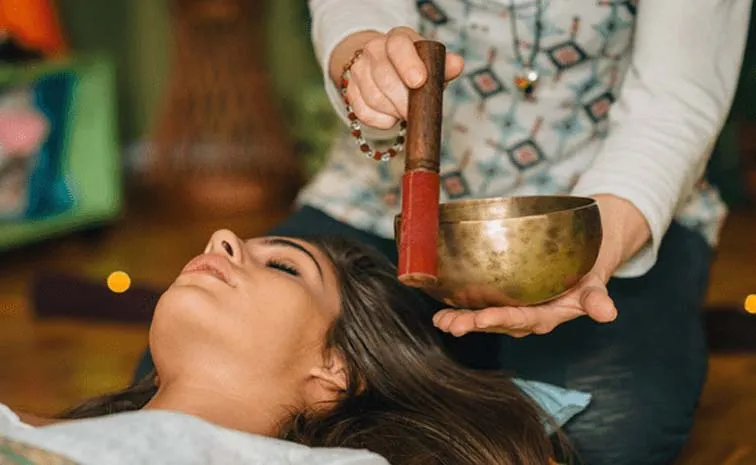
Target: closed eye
{"points": [[281, 266]]}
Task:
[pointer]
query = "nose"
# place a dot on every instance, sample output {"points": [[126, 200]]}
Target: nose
{"points": [[225, 242]]}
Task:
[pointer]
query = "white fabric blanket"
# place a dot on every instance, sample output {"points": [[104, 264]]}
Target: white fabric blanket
{"points": [[167, 438]]}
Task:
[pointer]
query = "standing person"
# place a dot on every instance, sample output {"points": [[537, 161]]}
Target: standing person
{"points": [[619, 100]]}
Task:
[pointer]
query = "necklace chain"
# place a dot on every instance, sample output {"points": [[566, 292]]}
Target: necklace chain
{"points": [[528, 78], [537, 36]]}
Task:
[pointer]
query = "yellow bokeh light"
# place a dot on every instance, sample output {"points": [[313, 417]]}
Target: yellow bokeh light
{"points": [[750, 304], [119, 282]]}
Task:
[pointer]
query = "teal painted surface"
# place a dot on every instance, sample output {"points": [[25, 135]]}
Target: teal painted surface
{"points": [[92, 160]]}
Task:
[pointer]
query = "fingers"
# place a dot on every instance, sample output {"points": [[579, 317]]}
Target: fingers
{"points": [[456, 322], [518, 321], [389, 84], [374, 108], [397, 67], [402, 54], [382, 76], [377, 84], [514, 321], [400, 49], [365, 112], [461, 322], [511, 318]]}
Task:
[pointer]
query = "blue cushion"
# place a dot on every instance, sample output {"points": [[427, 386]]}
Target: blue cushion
{"points": [[559, 403]]}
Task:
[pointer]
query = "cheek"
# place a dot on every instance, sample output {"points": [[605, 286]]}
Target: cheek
{"points": [[274, 329], [279, 324]]}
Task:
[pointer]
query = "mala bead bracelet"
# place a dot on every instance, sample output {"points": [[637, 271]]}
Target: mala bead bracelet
{"points": [[356, 126]]}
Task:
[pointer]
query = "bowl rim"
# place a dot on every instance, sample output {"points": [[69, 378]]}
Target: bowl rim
{"points": [[583, 204], [587, 203]]}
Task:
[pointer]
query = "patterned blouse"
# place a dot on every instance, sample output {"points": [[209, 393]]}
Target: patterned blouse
{"points": [[630, 100]]}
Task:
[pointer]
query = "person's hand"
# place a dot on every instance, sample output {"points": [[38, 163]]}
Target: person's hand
{"points": [[382, 76], [588, 298], [625, 232]]}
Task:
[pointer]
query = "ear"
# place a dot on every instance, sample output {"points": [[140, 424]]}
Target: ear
{"points": [[332, 376]]}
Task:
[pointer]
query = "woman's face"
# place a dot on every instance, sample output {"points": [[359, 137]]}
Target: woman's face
{"points": [[243, 312]]}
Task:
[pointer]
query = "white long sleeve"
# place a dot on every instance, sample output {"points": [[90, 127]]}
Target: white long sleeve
{"points": [[335, 20], [675, 98]]}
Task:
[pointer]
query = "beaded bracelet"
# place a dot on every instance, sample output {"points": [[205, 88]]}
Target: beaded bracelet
{"points": [[356, 126]]}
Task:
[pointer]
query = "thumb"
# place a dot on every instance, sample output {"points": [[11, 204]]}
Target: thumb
{"points": [[597, 304], [454, 62], [454, 66]]}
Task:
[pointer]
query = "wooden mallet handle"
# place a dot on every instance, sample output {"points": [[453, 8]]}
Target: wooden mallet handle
{"points": [[418, 259]]}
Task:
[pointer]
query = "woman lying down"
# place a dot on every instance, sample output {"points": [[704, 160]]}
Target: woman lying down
{"points": [[315, 343]]}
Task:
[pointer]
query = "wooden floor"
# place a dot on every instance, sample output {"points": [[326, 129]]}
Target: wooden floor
{"points": [[47, 365]]}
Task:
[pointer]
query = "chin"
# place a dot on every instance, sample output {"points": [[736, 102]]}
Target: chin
{"points": [[185, 323], [187, 295], [183, 306]]}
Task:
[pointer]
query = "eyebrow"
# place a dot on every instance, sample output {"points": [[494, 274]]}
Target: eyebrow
{"points": [[279, 241]]}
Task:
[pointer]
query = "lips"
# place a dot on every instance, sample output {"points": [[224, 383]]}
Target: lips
{"points": [[212, 264]]}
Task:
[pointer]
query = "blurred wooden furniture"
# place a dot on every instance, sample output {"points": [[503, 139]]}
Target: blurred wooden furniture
{"points": [[221, 145]]}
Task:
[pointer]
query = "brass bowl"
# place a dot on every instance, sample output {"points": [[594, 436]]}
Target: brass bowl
{"points": [[515, 251]]}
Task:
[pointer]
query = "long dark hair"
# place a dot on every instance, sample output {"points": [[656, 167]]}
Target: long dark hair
{"points": [[406, 400]]}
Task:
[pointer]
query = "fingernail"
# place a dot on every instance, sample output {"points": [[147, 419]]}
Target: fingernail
{"points": [[415, 77]]}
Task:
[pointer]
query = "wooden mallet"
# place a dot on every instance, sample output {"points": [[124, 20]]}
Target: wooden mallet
{"points": [[418, 258]]}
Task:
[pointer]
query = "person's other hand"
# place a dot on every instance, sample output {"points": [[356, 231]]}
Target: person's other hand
{"points": [[588, 298], [382, 76]]}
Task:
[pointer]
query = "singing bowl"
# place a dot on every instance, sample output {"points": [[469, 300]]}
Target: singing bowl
{"points": [[514, 251]]}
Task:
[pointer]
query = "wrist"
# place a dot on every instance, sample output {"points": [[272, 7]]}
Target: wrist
{"points": [[625, 232], [345, 50]]}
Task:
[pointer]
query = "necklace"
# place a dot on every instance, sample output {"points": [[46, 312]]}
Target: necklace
{"points": [[526, 79]]}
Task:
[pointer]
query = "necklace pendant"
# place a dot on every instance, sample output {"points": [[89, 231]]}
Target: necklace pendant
{"points": [[526, 82]]}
